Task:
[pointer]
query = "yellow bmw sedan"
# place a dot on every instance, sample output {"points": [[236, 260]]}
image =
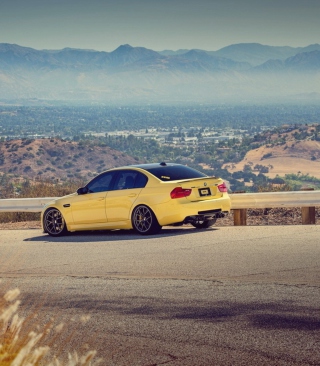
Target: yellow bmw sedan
{"points": [[142, 197]]}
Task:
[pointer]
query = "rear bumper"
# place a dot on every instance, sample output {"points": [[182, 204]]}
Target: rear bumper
{"points": [[182, 208], [209, 212]]}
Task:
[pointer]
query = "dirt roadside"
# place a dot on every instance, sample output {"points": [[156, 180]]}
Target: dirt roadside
{"points": [[20, 225]]}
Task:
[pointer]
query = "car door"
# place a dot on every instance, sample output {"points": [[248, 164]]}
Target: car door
{"points": [[127, 187], [89, 209]]}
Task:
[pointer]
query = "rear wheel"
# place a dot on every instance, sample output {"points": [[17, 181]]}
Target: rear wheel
{"points": [[201, 223], [144, 221], [53, 222]]}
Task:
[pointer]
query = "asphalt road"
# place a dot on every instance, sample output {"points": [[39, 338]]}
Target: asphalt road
{"points": [[223, 296]]}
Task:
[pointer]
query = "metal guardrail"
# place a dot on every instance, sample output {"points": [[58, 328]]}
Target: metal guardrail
{"points": [[240, 202], [24, 204], [307, 200], [275, 199]]}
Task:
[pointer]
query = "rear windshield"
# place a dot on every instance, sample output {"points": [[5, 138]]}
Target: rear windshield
{"points": [[175, 172]]}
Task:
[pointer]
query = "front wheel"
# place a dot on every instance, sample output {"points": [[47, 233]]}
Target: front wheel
{"points": [[144, 221], [53, 222], [202, 223]]}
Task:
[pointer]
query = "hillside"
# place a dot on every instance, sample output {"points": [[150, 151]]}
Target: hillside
{"points": [[57, 159], [283, 153]]}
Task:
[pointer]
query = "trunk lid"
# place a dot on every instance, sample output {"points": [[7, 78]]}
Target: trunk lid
{"points": [[206, 188]]}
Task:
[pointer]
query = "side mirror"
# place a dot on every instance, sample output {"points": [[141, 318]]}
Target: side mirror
{"points": [[82, 190]]}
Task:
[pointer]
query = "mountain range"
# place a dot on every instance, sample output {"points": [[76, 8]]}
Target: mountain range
{"points": [[247, 72]]}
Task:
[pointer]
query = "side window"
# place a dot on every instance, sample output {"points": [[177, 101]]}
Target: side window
{"points": [[141, 180], [125, 179], [128, 179], [101, 183]]}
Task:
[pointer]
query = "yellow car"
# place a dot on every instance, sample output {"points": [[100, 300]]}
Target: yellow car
{"points": [[142, 197]]}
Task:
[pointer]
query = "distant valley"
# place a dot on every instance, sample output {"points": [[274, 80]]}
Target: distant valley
{"points": [[238, 73]]}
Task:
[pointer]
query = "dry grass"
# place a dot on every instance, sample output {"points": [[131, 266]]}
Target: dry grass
{"points": [[293, 157], [21, 346]]}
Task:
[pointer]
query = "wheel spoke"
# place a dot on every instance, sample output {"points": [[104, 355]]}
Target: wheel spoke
{"points": [[54, 222], [142, 219]]}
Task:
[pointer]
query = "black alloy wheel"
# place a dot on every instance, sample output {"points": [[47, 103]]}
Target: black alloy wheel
{"points": [[53, 222], [144, 221]]}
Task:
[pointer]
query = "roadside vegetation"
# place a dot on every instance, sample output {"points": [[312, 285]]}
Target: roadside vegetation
{"points": [[299, 181], [22, 345]]}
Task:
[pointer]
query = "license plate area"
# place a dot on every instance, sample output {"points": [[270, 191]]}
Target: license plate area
{"points": [[203, 192]]}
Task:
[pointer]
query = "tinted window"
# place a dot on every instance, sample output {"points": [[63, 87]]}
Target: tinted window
{"points": [[101, 183], [175, 172], [128, 179], [141, 181]]}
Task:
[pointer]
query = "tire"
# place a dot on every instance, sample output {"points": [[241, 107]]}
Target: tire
{"points": [[203, 224], [144, 221], [53, 223]]}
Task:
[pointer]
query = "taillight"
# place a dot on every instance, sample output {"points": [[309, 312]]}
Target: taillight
{"points": [[180, 192], [222, 187]]}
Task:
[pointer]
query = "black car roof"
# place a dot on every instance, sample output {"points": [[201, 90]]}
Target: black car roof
{"points": [[171, 171], [153, 165]]}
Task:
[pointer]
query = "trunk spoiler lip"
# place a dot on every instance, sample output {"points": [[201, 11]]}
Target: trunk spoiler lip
{"points": [[195, 179]]}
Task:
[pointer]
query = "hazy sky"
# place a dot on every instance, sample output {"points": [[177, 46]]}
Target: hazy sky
{"points": [[158, 24]]}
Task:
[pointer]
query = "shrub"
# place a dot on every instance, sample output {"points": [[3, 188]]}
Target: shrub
{"points": [[266, 156], [68, 164]]}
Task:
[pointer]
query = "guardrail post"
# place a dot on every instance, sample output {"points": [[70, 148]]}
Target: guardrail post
{"points": [[240, 217], [308, 214]]}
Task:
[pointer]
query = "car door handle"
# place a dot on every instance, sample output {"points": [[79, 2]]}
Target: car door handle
{"points": [[132, 195], [100, 198]]}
